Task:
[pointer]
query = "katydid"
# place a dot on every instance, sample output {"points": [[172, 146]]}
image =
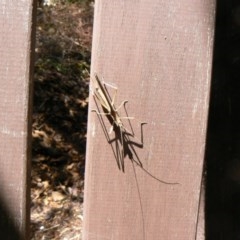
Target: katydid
{"points": [[101, 94]]}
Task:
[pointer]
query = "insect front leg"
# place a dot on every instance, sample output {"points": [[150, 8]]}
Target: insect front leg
{"points": [[100, 113], [114, 93]]}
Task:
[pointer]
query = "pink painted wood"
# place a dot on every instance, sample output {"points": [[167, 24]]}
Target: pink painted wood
{"points": [[15, 97], [159, 54]]}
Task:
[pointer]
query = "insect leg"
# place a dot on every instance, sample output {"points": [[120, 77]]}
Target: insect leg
{"points": [[123, 103], [100, 113]]}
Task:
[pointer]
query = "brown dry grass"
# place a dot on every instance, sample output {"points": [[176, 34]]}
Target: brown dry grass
{"points": [[63, 43]]}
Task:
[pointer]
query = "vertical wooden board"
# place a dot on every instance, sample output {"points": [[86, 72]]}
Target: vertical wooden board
{"points": [[15, 52], [159, 54]]}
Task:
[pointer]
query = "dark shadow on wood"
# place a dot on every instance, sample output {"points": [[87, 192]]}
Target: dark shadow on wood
{"points": [[126, 144], [222, 206], [8, 228]]}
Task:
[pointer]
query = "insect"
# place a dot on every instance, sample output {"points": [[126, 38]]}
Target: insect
{"points": [[107, 103]]}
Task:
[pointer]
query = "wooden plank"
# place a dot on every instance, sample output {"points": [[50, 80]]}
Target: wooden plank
{"points": [[15, 96], [159, 54]]}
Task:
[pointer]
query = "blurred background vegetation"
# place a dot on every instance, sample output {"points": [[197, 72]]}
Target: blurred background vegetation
{"points": [[59, 121]]}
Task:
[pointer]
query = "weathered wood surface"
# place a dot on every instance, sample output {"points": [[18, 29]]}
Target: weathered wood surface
{"points": [[159, 54], [15, 54]]}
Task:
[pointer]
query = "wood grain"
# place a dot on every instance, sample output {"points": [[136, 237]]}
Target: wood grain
{"points": [[159, 54], [15, 98]]}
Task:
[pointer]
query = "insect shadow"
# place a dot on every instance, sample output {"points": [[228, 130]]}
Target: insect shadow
{"points": [[125, 142]]}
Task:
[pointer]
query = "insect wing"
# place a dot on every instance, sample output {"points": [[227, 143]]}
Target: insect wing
{"points": [[101, 94]]}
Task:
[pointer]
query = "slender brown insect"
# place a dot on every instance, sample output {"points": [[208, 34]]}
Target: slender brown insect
{"points": [[100, 93]]}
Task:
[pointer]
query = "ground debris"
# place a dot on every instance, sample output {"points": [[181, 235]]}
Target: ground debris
{"points": [[63, 43]]}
